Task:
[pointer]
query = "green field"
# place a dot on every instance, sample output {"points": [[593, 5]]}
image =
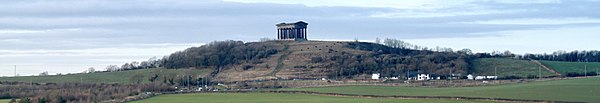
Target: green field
{"points": [[108, 77], [281, 98], [508, 67], [583, 89], [566, 67], [4, 100]]}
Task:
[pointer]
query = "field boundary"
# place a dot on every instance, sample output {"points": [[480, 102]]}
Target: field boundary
{"points": [[380, 96], [545, 67]]}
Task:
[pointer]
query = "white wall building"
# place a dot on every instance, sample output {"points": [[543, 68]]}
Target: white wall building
{"points": [[423, 77], [375, 76], [470, 77]]}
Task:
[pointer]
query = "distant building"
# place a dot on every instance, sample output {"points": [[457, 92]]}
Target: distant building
{"points": [[470, 77], [479, 77], [486, 77], [423, 77], [375, 76], [292, 31]]}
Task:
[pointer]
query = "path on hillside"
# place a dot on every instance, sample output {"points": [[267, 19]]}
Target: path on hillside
{"points": [[280, 61], [545, 67]]}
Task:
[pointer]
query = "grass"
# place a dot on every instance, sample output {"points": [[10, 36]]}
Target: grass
{"points": [[4, 100], [280, 98], [508, 67], [582, 90], [566, 67], [108, 77]]}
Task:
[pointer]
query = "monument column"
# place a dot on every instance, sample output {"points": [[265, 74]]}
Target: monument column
{"points": [[304, 32], [287, 33], [299, 33]]}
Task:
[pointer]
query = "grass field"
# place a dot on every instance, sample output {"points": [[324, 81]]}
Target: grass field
{"points": [[583, 90], [566, 67], [508, 67], [281, 98], [108, 77], [4, 100]]}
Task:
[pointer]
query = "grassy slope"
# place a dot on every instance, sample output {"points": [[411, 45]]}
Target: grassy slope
{"points": [[108, 77], [566, 67], [4, 100], [583, 89], [507, 67], [277, 98]]}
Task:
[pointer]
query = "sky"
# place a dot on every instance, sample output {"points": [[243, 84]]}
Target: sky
{"points": [[69, 36]]}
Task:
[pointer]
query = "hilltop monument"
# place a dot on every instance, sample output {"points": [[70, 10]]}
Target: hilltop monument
{"points": [[292, 31]]}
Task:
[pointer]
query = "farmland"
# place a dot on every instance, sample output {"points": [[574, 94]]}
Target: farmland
{"points": [[508, 67], [583, 90], [578, 67], [108, 77], [280, 98], [4, 100]]}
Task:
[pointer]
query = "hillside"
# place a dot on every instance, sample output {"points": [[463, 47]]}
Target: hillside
{"points": [[506, 67], [232, 61], [237, 61], [568, 67], [126, 77]]}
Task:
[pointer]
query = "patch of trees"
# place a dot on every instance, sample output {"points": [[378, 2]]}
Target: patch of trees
{"points": [[397, 60], [74, 92], [218, 54], [150, 63], [574, 56], [577, 74]]}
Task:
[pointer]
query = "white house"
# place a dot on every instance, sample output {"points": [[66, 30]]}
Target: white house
{"points": [[375, 76], [486, 77], [423, 77], [491, 77], [394, 78], [470, 77]]}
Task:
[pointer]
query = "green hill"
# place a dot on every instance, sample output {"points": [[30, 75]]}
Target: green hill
{"points": [[130, 76], [581, 89], [578, 67], [508, 67]]}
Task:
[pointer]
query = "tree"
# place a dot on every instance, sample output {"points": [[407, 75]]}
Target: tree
{"points": [[377, 40], [91, 70], [112, 68], [45, 73]]}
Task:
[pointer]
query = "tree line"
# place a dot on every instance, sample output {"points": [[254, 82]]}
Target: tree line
{"points": [[573, 56], [74, 92]]}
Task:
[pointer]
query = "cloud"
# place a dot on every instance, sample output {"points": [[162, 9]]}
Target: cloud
{"points": [[539, 21]]}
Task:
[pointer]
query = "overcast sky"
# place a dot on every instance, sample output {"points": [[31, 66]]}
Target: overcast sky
{"points": [[66, 36]]}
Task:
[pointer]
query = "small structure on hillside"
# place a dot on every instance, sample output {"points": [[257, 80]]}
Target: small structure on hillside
{"points": [[375, 76], [470, 77], [292, 31], [423, 77]]}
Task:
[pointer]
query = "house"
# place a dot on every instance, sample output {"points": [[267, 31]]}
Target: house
{"points": [[394, 78], [375, 76], [486, 77], [491, 77], [479, 77], [470, 77], [423, 77]]}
